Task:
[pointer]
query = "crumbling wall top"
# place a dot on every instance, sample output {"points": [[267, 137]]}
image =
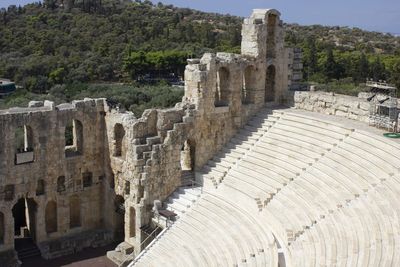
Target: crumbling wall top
{"points": [[98, 104], [260, 16]]}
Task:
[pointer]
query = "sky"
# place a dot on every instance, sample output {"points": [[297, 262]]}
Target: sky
{"points": [[373, 15]]}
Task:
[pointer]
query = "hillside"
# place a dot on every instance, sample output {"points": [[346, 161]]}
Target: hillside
{"points": [[346, 38], [59, 42]]}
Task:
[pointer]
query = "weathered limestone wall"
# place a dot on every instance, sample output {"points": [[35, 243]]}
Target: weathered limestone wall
{"points": [[118, 164], [350, 107], [221, 92], [38, 180]]}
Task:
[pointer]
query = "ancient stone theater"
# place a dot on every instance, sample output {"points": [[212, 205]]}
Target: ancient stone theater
{"points": [[245, 171]]}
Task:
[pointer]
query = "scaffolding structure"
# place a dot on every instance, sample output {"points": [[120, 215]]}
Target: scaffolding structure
{"points": [[383, 111]]}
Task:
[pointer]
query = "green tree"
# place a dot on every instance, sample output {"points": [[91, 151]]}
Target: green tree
{"points": [[310, 57], [330, 66], [57, 76], [378, 70]]}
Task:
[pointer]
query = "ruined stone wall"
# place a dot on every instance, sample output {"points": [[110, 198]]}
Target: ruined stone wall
{"points": [[221, 92], [349, 107], [49, 172], [119, 164]]}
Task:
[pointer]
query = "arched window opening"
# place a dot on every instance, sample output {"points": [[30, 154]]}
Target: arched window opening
{"points": [[249, 85], [132, 222], [222, 93], [87, 179], [188, 163], [51, 217], [73, 138], [127, 187], [61, 184], [271, 35], [119, 133], [270, 84], [74, 211], [24, 145], [2, 228], [40, 187], [187, 156]]}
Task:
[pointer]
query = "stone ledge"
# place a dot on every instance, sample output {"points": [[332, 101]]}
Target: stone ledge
{"points": [[76, 242]]}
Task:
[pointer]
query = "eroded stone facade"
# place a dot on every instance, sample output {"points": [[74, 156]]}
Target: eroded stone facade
{"points": [[117, 165], [350, 107]]}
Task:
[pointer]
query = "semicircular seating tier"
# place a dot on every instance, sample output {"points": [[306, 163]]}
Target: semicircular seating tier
{"points": [[292, 189]]}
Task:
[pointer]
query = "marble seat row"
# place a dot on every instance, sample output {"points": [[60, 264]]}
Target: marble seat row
{"points": [[323, 193]]}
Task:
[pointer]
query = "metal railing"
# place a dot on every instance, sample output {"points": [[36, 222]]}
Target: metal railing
{"points": [[380, 84], [194, 184], [138, 257], [129, 256]]}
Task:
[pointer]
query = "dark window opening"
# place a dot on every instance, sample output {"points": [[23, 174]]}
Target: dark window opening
{"points": [[61, 184], [222, 93], [87, 179], [73, 139]]}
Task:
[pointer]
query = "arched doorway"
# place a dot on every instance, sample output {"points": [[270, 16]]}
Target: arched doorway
{"points": [[249, 85], [24, 213], [188, 156], [270, 84], [119, 205]]}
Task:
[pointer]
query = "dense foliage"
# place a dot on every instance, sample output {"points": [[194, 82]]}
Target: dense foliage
{"points": [[43, 45], [337, 53], [71, 41]]}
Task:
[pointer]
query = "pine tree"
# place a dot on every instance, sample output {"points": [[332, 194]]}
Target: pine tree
{"points": [[330, 68], [378, 70]]}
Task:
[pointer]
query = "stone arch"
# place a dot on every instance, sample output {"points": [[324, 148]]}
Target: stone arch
{"points": [[249, 85], [187, 156], [132, 222], [73, 138], [222, 93], [271, 34], [74, 211], [2, 228], [19, 214], [270, 84], [40, 187], [24, 214], [119, 134], [51, 217]]}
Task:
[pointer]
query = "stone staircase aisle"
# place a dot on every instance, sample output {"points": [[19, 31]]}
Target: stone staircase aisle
{"points": [[238, 147], [26, 248]]}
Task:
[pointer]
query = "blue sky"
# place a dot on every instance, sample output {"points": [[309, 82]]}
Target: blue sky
{"points": [[376, 15]]}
